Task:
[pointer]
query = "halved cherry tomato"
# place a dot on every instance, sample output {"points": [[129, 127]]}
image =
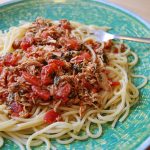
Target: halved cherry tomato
{"points": [[43, 94], [80, 58], [63, 92], [26, 43], [115, 83], [31, 79], [11, 60], [51, 116], [46, 72]]}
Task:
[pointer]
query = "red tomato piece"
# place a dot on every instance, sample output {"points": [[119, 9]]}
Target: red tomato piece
{"points": [[46, 79], [31, 79], [115, 83], [11, 60], [51, 116], [15, 114], [108, 44], [86, 56], [46, 72], [63, 92], [57, 62], [26, 43], [94, 90], [16, 44], [73, 44], [30, 49], [93, 44], [80, 58], [116, 50], [65, 24], [43, 94]]}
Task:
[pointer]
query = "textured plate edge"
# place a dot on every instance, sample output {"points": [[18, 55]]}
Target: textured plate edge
{"points": [[9, 3], [146, 143]]}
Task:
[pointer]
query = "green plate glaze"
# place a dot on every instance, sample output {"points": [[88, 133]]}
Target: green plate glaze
{"points": [[136, 128]]}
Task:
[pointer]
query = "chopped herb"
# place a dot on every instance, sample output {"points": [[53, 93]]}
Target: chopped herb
{"points": [[53, 74], [45, 62], [68, 56], [49, 24], [54, 56], [104, 58], [72, 94], [77, 68], [82, 47], [100, 77], [21, 92]]}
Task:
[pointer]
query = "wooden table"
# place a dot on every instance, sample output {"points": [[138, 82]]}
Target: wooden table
{"points": [[139, 7]]}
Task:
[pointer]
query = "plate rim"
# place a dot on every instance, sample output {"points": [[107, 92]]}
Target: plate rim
{"points": [[140, 19], [124, 10]]}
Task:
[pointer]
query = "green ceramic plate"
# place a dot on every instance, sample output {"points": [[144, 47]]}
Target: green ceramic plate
{"points": [[136, 129]]}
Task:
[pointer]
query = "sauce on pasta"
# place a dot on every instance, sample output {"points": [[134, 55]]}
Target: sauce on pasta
{"points": [[56, 80]]}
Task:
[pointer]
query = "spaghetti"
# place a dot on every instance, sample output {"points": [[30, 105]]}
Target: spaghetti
{"points": [[57, 81]]}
